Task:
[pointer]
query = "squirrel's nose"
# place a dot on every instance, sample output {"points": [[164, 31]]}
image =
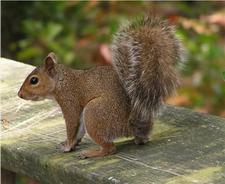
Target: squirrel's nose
{"points": [[20, 94]]}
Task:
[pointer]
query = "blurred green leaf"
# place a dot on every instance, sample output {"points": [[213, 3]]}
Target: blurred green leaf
{"points": [[32, 29], [224, 75], [28, 53]]}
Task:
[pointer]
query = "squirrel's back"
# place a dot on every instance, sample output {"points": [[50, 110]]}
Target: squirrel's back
{"points": [[144, 54]]}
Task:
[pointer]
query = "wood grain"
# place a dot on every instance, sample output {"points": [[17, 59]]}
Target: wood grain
{"points": [[186, 146]]}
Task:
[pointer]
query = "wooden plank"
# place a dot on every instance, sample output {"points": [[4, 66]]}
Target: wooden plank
{"points": [[186, 147], [7, 177]]}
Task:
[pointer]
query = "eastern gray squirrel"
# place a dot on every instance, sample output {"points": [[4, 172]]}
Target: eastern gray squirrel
{"points": [[113, 101]]}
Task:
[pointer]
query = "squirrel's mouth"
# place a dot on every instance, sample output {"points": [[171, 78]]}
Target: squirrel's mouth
{"points": [[30, 97], [36, 98]]}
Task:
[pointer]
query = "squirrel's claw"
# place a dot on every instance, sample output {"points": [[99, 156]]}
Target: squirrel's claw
{"points": [[64, 147], [62, 143], [82, 156]]}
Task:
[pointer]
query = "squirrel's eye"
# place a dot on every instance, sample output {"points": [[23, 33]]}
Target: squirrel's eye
{"points": [[34, 80]]}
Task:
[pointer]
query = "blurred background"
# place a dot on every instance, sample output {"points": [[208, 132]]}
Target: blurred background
{"points": [[81, 32]]}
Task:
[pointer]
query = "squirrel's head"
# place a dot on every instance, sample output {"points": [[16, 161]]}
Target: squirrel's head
{"points": [[40, 83]]}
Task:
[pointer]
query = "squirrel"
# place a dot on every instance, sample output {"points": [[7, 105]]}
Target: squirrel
{"points": [[113, 101]]}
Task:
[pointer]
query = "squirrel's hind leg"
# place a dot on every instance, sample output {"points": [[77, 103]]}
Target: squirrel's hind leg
{"points": [[98, 127], [106, 149]]}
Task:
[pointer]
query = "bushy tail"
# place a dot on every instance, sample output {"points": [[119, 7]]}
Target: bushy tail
{"points": [[144, 54]]}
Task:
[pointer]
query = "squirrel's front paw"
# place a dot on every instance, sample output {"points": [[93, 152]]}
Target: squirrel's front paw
{"points": [[65, 147], [62, 143]]}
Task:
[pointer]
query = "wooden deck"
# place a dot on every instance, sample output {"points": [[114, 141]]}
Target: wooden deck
{"points": [[186, 146]]}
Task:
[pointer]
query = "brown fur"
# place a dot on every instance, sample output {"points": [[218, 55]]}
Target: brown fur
{"points": [[91, 92], [112, 102]]}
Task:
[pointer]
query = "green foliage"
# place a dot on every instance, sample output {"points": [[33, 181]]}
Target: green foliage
{"points": [[57, 27], [206, 61], [74, 30]]}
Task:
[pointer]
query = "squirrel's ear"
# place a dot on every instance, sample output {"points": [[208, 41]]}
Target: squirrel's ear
{"points": [[49, 63]]}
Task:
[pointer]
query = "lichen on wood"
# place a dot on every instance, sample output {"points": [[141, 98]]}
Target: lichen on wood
{"points": [[185, 147]]}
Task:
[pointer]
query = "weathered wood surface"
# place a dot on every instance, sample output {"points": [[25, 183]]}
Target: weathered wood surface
{"points": [[186, 147]]}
